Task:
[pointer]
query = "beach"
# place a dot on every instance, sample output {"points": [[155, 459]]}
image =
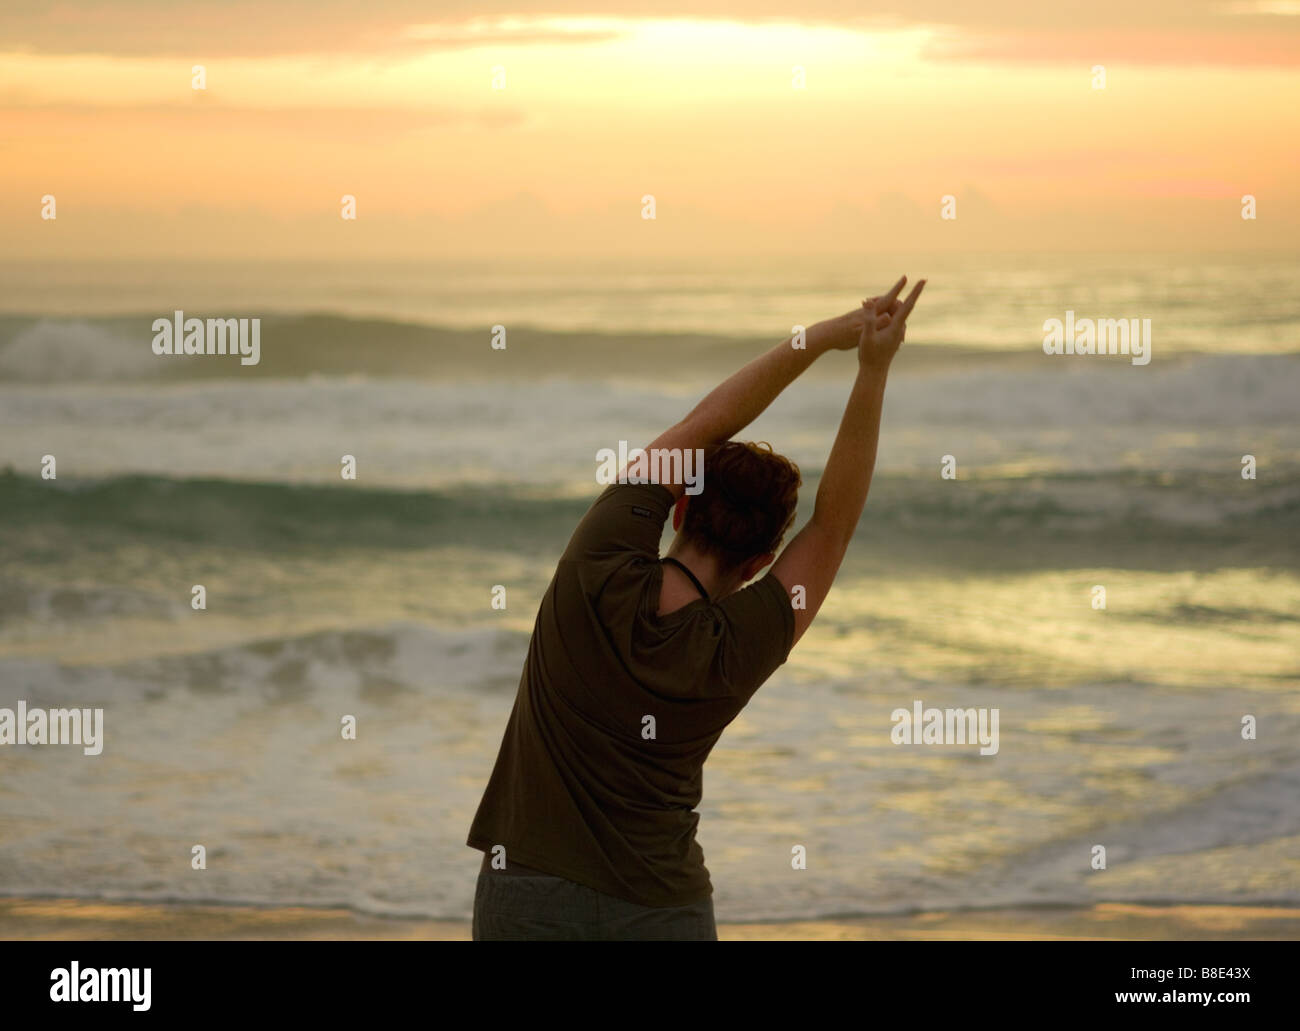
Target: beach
{"points": [[76, 920]]}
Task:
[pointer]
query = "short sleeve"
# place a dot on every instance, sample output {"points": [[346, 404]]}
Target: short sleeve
{"points": [[626, 521], [757, 635]]}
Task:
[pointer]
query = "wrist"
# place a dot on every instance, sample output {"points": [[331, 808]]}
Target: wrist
{"points": [[875, 369], [834, 334]]}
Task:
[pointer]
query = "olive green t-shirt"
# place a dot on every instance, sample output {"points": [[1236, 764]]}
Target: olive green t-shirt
{"points": [[601, 765]]}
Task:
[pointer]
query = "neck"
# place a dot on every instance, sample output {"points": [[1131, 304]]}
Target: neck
{"points": [[706, 569]]}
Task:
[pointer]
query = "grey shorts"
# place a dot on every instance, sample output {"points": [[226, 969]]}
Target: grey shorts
{"points": [[510, 907]]}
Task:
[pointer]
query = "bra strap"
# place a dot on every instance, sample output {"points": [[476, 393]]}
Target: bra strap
{"points": [[698, 586]]}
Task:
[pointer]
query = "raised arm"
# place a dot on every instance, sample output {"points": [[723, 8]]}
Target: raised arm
{"points": [[743, 397], [813, 558]]}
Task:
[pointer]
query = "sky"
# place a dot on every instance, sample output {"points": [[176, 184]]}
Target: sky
{"points": [[534, 128]]}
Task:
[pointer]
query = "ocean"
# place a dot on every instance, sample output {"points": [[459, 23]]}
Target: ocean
{"points": [[1119, 726]]}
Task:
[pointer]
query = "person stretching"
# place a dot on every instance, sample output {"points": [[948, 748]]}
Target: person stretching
{"points": [[637, 664]]}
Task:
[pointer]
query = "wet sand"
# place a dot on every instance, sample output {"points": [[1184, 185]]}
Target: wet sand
{"points": [[76, 920]]}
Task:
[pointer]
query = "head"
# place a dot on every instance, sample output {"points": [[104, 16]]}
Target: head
{"points": [[738, 521]]}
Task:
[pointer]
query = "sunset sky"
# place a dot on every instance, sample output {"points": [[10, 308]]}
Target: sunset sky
{"points": [[393, 102]]}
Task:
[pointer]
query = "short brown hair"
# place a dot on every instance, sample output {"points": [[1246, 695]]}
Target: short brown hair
{"points": [[747, 504]]}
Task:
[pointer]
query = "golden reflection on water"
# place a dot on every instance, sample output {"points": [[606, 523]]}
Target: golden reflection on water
{"points": [[1233, 627]]}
